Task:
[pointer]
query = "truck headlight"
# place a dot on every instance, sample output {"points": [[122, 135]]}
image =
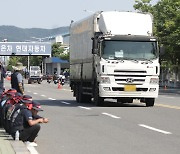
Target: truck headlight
{"points": [[154, 81], [105, 80]]}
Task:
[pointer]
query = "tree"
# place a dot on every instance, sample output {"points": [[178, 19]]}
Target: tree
{"points": [[59, 51], [166, 15], [143, 5], [33, 60]]}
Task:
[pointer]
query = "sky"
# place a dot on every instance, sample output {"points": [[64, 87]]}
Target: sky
{"points": [[51, 14]]}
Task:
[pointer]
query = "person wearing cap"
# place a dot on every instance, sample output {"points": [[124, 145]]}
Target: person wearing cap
{"points": [[2, 76], [17, 78], [17, 115], [31, 123]]}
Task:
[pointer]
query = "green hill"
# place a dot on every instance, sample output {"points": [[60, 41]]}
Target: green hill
{"points": [[16, 34]]}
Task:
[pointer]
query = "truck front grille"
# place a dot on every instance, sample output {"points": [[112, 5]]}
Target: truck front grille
{"points": [[136, 77]]}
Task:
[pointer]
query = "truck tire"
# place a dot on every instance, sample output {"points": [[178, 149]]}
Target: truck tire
{"points": [[149, 102], [80, 97], [87, 98], [77, 94], [39, 81], [29, 81], [99, 101]]}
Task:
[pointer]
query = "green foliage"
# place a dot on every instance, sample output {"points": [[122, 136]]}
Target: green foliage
{"points": [[33, 61], [166, 15], [143, 5], [58, 51]]}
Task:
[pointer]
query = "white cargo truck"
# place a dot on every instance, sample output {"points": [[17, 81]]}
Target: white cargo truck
{"points": [[35, 75], [114, 55]]}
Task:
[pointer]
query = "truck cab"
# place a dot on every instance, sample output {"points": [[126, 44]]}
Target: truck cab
{"points": [[35, 75]]}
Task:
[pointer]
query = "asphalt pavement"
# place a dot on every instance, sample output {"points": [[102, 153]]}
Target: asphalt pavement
{"points": [[9, 146]]}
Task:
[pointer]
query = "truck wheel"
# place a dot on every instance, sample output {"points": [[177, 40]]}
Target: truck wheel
{"points": [[39, 81], [87, 98], [79, 94], [29, 81], [149, 101], [99, 101]]}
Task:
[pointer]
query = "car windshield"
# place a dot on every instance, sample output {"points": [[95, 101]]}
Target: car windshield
{"points": [[131, 50]]}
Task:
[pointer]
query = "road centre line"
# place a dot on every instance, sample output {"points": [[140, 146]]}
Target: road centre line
{"points": [[113, 116], [87, 108], [35, 93], [43, 95], [65, 102], [168, 106], [155, 129]]}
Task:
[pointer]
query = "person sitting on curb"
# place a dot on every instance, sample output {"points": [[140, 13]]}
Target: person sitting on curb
{"points": [[31, 123]]}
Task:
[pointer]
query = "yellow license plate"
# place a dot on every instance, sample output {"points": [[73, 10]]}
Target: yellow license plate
{"points": [[130, 88]]}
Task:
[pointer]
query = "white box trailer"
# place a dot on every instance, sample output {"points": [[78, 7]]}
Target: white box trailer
{"points": [[114, 55]]}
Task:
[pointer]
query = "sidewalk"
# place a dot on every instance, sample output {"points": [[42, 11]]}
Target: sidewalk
{"points": [[169, 90], [9, 146]]}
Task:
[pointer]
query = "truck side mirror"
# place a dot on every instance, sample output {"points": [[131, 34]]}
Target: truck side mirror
{"points": [[95, 46], [162, 50]]}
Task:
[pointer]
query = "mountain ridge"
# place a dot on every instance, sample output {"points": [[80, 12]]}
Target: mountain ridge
{"points": [[17, 34]]}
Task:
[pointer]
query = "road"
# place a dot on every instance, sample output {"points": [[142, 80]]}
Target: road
{"points": [[75, 128]]}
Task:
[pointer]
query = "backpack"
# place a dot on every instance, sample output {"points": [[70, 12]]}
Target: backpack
{"points": [[17, 119]]}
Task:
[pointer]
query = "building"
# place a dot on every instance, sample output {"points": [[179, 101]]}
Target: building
{"points": [[55, 65]]}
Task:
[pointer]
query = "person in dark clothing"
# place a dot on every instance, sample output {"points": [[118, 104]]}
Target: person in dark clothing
{"points": [[31, 123], [2, 76], [16, 116], [17, 78]]}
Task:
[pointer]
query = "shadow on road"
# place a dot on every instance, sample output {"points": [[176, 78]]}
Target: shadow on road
{"points": [[73, 103]]}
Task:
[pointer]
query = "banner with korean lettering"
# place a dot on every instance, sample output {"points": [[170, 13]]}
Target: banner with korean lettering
{"points": [[25, 48]]}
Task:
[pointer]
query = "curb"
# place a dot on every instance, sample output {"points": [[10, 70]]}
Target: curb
{"points": [[19, 147], [10, 146], [169, 91]]}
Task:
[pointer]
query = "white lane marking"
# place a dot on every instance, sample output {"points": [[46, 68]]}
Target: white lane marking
{"points": [[113, 116], [1, 130], [155, 129], [52, 99], [32, 150], [28, 91], [35, 93], [87, 108], [65, 102], [66, 89], [43, 95]]}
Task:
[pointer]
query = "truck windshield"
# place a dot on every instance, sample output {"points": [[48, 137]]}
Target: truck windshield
{"points": [[129, 50], [35, 69]]}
